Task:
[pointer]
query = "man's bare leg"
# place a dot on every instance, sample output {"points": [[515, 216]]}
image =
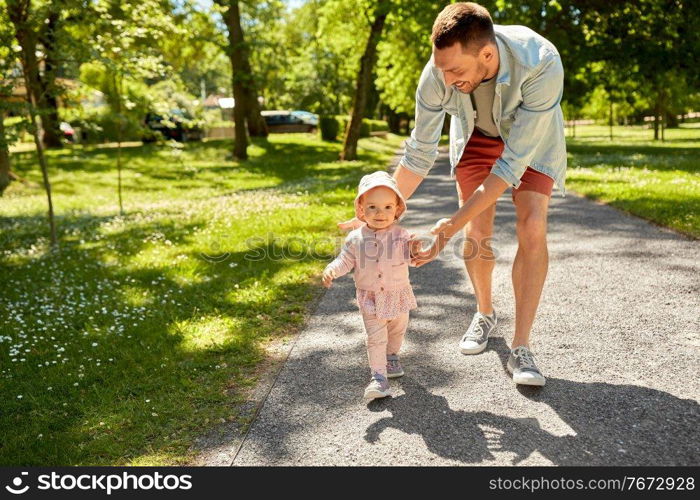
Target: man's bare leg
{"points": [[531, 261], [478, 257]]}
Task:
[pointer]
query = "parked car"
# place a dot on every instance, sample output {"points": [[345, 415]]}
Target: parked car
{"points": [[279, 121], [178, 129], [307, 117]]}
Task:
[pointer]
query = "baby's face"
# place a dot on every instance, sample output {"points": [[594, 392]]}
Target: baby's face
{"points": [[379, 207]]}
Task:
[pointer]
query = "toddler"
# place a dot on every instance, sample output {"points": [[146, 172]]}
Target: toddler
{"points": [[379, 253]]}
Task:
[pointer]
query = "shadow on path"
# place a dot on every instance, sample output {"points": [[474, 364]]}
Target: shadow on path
{"points": [[614, 424]]}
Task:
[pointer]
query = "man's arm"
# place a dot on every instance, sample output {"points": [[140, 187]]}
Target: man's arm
{"points": [[484, 196], [422, 146], [407, 180], [541, 97]]}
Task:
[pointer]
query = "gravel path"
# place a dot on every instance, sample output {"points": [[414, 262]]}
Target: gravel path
{"points": [[616, 335]]}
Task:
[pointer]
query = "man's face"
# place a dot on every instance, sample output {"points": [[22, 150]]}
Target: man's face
{"points": [[463, 70]]}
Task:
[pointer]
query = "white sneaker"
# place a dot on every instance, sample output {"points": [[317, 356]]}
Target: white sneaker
{"points": [[521, 364], [378, 387], [477, 336]]}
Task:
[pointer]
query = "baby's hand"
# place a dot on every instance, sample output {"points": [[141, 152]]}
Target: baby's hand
{"points": [[415, 246], [328, 277]]}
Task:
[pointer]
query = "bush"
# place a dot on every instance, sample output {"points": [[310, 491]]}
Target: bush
{"points": [[365, 128], [368, 126], [343, 122], [378, 125], [329, 127]]}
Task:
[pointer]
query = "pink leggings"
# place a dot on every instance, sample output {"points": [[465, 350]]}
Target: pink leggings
{"points": [[384, 336]]}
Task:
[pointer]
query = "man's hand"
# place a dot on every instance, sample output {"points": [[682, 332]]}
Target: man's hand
{"points": [[421, 255], [328, 277], [351, 224]]}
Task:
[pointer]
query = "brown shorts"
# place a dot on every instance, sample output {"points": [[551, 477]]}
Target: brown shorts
{"points": [[477, 160]]}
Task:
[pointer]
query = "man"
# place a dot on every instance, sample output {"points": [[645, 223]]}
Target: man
{"points": [[502, 86]]}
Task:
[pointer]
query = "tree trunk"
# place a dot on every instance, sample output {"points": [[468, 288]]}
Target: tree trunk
{"points": [[256, 123], [372, 99], [663, 127], [363, 84], [4, 157], [610, 117], [118, 91], [19, 16], [657, 112], [393, 120], [48, 102], [246, 106]]}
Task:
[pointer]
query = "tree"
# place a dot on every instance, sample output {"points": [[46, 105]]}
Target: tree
{"points": [[197, 54], [19, 14], [40, 29], [246, 108], [8, 67], [125, 41], [652, 41], [367, 62]]}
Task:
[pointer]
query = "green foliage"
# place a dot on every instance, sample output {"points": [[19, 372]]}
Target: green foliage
{"points": [[376, 125], [328, 127], [651, 179], [365, 128]]}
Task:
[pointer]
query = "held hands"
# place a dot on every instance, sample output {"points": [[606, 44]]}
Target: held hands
{"points": [[328, 277], [421, 256]]}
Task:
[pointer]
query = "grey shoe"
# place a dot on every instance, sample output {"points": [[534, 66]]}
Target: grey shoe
{"points": [[477, 336], [393, 366], [521, 363], [378, 387]]}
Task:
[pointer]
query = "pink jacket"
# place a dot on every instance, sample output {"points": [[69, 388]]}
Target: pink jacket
{"points": [[380, 258]]}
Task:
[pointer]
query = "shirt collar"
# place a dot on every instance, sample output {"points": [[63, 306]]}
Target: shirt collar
{"points": [[503, 75]]}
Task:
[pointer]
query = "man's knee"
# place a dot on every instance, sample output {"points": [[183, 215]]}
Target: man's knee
{"points": [[532, 229]]}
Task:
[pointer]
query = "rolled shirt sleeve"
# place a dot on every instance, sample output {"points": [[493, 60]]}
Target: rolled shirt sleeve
{"points": [[541, 94], [421, 148]]}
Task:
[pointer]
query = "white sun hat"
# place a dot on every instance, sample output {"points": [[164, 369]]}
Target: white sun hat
{"points": [[376, 179]]}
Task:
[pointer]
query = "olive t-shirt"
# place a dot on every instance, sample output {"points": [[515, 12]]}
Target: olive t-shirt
{"points": [[482, 100]]}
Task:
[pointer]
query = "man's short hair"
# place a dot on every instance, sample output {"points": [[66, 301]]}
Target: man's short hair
{"points": [[468, 23]]}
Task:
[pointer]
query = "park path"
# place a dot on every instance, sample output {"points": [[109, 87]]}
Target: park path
{"points": [[616, 335]]}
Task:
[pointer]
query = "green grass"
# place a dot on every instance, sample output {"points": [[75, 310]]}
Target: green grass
{"points": [[659, 181], [143, 331]]}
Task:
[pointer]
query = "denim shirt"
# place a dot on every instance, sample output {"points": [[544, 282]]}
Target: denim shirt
{"points": [[526, 110]]}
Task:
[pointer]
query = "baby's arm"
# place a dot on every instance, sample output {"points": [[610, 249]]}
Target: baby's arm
{"points": [[342, 264]]}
